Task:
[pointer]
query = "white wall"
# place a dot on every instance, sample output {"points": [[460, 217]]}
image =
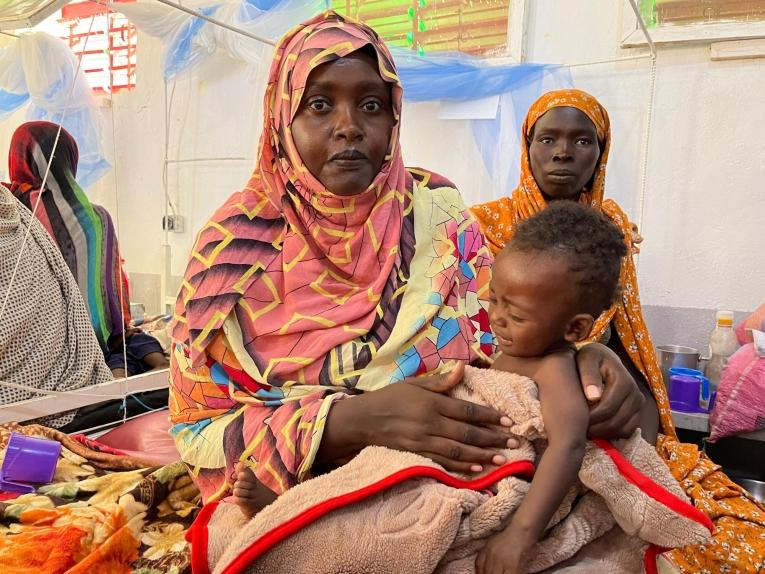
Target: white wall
{"points": [[217, 112], [703, 208], [705, 201], [214, 113]]}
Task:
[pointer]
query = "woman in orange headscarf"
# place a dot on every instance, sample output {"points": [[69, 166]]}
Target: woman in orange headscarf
{"points": [[565, 145]]}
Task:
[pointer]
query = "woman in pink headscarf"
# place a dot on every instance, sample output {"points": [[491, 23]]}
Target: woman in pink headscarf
{"points": [[334, 274]]}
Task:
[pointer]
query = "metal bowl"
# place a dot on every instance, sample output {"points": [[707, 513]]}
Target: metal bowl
{"points": [[676, 356], [755, 487]]}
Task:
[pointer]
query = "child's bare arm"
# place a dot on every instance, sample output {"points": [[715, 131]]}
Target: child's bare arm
{"points": [[565, 414]]}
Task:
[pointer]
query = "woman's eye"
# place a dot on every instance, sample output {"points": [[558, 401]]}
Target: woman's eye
{"points": [[371, 106], [318, 105], [545, 140], [584, 141]]}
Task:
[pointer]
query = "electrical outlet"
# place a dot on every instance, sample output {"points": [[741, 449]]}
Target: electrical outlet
{"points": [[173, 223]]}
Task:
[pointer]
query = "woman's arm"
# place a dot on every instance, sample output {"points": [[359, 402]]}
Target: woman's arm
{"points": [[616, 399], [222, 417], [649, 414], [416, 416]]}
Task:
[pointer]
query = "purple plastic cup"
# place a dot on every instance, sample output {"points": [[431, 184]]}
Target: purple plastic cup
{"points": [[684, 393], [28, 460], [705, 400]]}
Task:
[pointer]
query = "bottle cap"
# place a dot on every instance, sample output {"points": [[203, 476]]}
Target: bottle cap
{"points": [[724, 318]]}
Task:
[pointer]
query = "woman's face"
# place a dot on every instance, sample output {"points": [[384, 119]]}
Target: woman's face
{"points": [[343, 125], [563, 151]]}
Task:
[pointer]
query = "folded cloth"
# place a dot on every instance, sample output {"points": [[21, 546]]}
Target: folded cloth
{"points": [[740, 402], [755, 320], [391, 512]]}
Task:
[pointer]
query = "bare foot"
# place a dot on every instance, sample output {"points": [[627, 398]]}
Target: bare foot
{"points": [[249, 493]]}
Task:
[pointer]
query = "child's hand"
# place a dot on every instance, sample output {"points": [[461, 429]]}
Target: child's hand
{"points": [[503, 554]]}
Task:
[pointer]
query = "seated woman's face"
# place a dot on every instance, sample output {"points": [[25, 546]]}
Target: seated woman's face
{"points": [[563, 152], [343, 126]]}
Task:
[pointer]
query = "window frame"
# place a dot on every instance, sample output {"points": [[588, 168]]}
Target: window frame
{"points": [[515, 34], [111, 68], [82, 11], [633, 37], [516, 31]]}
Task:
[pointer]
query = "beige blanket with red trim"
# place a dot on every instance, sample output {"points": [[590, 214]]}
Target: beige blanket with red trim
{"points": [[396, 512]]}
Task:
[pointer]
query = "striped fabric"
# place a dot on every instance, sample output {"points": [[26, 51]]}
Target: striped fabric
{"points": [[84, 232]]}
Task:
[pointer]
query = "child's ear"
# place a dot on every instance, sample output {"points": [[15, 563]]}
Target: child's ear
{"points": [[579, 328]]}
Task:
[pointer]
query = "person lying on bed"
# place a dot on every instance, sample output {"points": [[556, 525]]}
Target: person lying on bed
{"points": [[85, 234], [558, 273], [322, 304]]}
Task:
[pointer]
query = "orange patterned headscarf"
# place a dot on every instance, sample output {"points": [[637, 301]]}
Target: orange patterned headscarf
{"points": [[499, 218]]}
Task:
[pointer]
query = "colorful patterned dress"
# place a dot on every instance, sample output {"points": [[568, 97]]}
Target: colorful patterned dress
{"points": [[295, 297]]}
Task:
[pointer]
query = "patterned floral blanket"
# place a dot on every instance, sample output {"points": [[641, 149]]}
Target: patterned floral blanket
{"points": [[103, 513]]}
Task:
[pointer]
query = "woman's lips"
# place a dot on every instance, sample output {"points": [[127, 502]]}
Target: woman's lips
{"points": [[349, 159], [561, 175]]}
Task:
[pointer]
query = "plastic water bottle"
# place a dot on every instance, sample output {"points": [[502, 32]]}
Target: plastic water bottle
{"points": [[722, 344]]}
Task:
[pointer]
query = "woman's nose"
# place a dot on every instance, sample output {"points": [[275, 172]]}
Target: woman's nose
{"points": [[562, 151], [347, 125]]}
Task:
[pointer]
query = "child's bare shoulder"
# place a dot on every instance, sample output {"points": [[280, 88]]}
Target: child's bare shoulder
{"points": [[525, 366], [557, 364], [558, 358], [535, 367]]}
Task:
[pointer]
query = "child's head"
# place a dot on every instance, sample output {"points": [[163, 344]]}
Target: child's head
{"points": [[557, 274]]}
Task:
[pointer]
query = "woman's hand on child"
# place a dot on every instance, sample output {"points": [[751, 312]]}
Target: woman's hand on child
{"points": [[415, 415], [614, 395]]}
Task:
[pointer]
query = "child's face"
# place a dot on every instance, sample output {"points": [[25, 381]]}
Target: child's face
{"points": [[531, 302]]}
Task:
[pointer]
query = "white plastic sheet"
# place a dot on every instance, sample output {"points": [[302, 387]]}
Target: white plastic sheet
{"points": [[26, 13], [189, 40], [42, 69]]}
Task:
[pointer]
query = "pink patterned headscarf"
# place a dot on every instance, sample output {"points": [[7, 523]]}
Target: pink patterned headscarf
{"points": [[293, 258]]}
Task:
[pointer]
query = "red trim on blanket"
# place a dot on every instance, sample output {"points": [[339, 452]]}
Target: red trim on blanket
{"points": [[197, 537], [524, 469], [658, 493], [650, 558]]}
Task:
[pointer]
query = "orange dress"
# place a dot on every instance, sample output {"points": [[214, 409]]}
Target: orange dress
{"points": [[738, 545]]}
